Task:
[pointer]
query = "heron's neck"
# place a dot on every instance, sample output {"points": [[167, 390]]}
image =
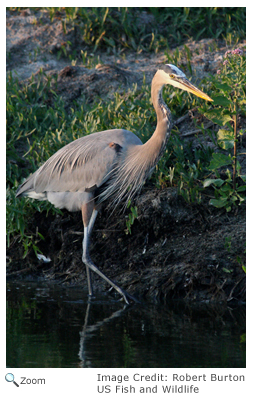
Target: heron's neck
{"points": [[157, 143]]}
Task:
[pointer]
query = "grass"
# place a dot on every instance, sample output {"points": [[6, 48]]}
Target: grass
{"points": [[115, 29], [38, 124]]}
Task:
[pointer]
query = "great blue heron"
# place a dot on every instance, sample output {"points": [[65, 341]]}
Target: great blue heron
{"points": [[109, 166]]}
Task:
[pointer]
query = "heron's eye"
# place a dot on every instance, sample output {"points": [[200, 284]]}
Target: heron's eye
{"points": [[172, 76]]}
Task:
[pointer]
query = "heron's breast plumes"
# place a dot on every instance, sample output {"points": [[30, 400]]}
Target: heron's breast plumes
{"points": [[131, 171], [127, 177]]}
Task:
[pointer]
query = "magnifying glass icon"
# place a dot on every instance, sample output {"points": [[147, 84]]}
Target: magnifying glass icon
{"points": [[9, 377]]}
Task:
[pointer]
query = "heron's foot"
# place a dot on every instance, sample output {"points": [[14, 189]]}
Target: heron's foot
{"points": [[129, 299]]}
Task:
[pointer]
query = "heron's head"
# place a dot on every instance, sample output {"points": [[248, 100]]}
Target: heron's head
{"points": [[172, 75]]}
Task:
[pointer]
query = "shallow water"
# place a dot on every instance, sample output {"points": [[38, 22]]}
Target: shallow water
{"points": [[49, 326]]}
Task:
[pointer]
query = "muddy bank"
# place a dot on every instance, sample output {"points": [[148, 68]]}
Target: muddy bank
{"points": [[175, 250]]}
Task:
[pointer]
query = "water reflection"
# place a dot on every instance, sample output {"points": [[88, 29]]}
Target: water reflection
{"points": [[51, 326], [89, 331]]}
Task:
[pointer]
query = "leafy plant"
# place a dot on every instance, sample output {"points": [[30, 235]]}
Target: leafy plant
{"points": [[239, 259], [131, 217], [230, 101]]}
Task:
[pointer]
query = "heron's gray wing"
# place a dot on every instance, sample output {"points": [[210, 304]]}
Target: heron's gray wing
{"points": [[82, 165]]}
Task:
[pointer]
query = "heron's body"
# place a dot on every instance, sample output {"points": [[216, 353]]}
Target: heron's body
{"points": [[74, 169], [105, 166]]}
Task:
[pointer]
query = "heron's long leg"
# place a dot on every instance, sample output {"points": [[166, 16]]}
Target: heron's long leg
{"points": [[124, 294], [92, 220], [85, 252], [89, 220], [89, 214]]}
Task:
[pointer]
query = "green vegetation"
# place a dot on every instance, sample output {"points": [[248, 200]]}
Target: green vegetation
{"points": [[38, 123], [230, 99], [145, 28], [131, 217]]}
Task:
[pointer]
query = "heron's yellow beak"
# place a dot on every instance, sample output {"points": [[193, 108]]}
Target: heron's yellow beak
{"points": [[189, 87]]}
